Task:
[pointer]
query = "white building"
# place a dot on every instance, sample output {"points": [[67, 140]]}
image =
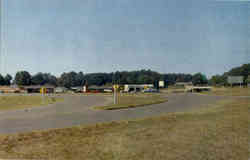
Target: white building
{"points": [[137, 87], [60, 90]]}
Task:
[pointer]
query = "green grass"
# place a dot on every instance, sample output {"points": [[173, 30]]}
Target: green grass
{"points": [[236, 91], [217, 133], [134, 100], [23, 102]]}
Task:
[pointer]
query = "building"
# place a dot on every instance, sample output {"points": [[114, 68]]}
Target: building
{"points": [[183, 84], [37, 88], [197, 88], [97, 89], [60, 90], [137, 87], [78, 89], [9, 89]]}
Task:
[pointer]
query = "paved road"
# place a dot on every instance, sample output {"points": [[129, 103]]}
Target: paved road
{"points": [[76, 110]]}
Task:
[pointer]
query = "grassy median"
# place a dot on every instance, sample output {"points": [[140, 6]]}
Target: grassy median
{"points": [[218, 133], [22, 102], [134, 100]]}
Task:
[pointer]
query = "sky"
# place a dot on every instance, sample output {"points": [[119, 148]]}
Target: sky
{"points": [[167, 36]]}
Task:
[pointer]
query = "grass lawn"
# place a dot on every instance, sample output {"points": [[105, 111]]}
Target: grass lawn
{"points": [[22, 102], [217, 133], [134, 100], [229, 91]]}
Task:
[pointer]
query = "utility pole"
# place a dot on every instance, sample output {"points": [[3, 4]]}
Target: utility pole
{"points": [[1, 33], [115, 94], [115, 87], [2, 48]]}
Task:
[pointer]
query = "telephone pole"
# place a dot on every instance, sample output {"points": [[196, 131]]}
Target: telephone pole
{"points": [[1, 33]]}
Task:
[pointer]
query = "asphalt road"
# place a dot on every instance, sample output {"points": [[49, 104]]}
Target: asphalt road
{"points": [[76, 110]]}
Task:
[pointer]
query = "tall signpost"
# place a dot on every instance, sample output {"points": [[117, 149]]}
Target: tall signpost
{"points": [[43, 92], [116, 87], [1, 33]]}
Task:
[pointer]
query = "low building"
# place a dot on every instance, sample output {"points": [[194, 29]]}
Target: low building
{"points": [[9, 89], [60, 90], [37, 88], [183, 84], [78, 89], [197, 88], [98, 89], [137, 87]]}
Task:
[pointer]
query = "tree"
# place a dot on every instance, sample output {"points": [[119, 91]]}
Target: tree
{"points": [[248, 80], [8, 79], [2, 80], [80, 79], [199, 79], [44, 78], [52, 80], [49, 79], [218, 80], [23, 78], [38, 79], [68, 80], [243, 70]]}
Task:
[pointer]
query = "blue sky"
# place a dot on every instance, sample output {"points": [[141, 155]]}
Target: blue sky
{"points": [[107, 35]]}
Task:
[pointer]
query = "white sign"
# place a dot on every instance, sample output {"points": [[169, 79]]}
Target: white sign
{"points": [[235, 79], [161, 84]]}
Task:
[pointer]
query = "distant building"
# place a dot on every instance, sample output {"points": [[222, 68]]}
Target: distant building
{"points": [[37, 88], [78, 89], [9, 89], [197, 88], [97, 89], [60, 90], [183, 84], [137, 87]]}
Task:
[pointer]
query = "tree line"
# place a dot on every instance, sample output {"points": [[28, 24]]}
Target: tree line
{"points": [[73, 79]]}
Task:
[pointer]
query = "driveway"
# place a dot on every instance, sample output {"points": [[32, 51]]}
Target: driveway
{"points": [[76, 110]]}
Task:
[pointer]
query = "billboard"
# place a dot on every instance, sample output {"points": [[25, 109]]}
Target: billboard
{"points": [[235, 79]]}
